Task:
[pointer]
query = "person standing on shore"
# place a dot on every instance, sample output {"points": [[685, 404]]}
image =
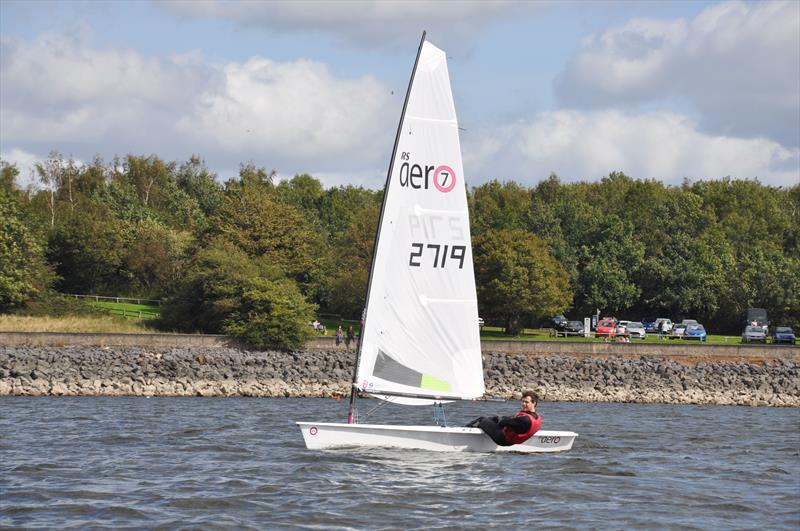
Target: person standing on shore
{"points": [[351, 336], [508, 431], [339, 336]]}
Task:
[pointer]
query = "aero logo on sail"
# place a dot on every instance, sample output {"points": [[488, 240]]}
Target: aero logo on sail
{"points": [[442, 177]]}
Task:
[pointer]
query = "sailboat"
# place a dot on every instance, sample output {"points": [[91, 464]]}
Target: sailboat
{"points": [[420, 342]]}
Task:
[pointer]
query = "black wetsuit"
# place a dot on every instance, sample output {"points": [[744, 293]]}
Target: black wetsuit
{"points": [[493, 426]]}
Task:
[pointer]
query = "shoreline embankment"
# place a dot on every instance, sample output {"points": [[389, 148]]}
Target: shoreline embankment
{"points": [[614, 373]]}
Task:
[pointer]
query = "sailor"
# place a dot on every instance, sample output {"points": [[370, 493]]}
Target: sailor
{"points": [[508, 431]]}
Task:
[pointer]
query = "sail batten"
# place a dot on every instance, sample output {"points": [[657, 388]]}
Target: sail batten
{"points": [[420, 336]]}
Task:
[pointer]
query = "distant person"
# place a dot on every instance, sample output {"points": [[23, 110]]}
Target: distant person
{"points": [[508, 431], [339, 335], [351, 336], [661, 329]]}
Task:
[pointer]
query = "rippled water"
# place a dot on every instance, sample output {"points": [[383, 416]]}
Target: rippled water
{"points": [[240, 464]]}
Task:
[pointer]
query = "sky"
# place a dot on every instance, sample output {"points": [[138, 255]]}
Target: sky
{"points": [[658, 90]]}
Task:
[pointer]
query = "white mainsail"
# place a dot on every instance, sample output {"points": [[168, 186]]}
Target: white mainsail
{"points": [[420, 335]]}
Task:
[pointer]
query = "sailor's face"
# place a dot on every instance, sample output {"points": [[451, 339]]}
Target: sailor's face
{"points": [[528, 404]]}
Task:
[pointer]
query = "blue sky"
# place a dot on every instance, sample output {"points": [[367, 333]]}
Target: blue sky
{"points": [[659, 90]]}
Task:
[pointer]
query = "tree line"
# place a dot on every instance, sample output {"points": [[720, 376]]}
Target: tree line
{"points": [[258, 258]]}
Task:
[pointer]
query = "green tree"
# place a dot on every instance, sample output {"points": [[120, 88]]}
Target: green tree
{"points": [[257, 222], [200, 184], [608, 269], [353, 256], [271, 313], [155, 257], [8, 178], [226, 291], [24, 272], [497, 205], [304, 192], [251, 174], [518, 280], [341, 206], [148, 175], [89, 250], [58, 177]]}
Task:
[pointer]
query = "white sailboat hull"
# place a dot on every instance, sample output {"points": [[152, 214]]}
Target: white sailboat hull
{"points": [[327, 435]]}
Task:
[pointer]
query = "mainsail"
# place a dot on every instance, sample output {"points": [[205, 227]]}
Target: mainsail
{"points": [[420, 336]]}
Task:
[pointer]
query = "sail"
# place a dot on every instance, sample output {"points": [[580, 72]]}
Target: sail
{"points": [[420, 333]]}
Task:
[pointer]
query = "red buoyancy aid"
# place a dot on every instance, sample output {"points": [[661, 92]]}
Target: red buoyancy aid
{"points": [[518, 438]]}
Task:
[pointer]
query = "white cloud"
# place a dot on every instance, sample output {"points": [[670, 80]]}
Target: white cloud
{"points": [[58, 89], [63, 69], [371, 23], [294, 110], [60, 92], [588, 145], [736, 65]]}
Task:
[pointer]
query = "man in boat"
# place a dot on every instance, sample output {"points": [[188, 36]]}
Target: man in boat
{"points": [[508, 431]]}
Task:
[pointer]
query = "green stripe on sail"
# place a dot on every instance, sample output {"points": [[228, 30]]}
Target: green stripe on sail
{"points": [[434, 384]]}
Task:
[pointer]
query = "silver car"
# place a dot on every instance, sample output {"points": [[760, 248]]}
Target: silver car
{"points": [[636, 330], [754, 334]]}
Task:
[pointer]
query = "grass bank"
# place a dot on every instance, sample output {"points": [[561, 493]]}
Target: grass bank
{"points": [[98, 324]]}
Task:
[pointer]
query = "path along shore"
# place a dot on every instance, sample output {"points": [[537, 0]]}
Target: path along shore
{"points": [[203, 371]]}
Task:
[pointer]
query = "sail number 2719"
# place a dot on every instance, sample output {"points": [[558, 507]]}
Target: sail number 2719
{"points": [[437, 254]]}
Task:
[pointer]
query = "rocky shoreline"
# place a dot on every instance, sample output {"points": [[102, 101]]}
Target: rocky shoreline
{"points": [[197, 371]]}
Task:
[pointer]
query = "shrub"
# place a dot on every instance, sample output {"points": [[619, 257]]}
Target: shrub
{"points": [[225, 291], [271, 313]]}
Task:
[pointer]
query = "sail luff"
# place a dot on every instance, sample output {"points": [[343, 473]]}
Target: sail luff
{"points": [[378, 230]]}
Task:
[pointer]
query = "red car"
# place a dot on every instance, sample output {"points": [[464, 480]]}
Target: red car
{"points": [[606, 328]]}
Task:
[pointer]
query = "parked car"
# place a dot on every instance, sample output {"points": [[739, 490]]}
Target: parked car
{"points": [[573, 328], [667, 325], [688, 322], [677, 331], [480, 321], [606, 328], [621, 328], [559, 322], [695, 331], [783, 334], [649, 324], [636, 330], [754, 334]]}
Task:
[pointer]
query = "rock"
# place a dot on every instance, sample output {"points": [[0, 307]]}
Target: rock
{"points": [[231, 372]]}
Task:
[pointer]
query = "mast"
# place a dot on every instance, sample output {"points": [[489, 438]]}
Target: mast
{"points": [[378, 232]]}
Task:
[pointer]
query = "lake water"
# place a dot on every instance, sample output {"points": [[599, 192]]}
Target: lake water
{"points": [[240, 463]]}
